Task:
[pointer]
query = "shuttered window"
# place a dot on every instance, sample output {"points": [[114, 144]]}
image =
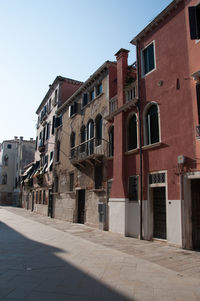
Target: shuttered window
{"points": [[194, 19], [148, 59]]}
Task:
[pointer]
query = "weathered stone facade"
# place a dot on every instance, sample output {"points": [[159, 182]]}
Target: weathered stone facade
{"points": [[85, 160]]}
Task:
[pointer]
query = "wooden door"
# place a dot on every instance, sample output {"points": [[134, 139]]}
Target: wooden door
{"points": [[195, 192], [159, 213]]}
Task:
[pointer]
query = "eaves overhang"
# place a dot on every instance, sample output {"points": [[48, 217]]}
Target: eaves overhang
{"points": [[52, 87], [85, 85], [156, 21]]}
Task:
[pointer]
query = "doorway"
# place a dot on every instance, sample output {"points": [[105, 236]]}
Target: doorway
{"points": [[159, 213], [195, 194], [50, 204], [81, 206]]}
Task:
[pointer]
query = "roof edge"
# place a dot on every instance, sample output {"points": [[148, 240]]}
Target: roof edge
{"points": [[163, 14], [82, 88]]}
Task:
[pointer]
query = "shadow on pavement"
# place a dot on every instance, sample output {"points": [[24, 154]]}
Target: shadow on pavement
{"points": [[32, 271]]}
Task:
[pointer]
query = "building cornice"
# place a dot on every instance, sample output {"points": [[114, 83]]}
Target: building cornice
{"points": [[85, 85], [156, 21], [52, 87]]}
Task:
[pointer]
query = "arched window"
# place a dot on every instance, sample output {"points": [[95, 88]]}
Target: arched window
{"points": [[152, 125], [132, 133], [4, 179], [83, 138], [72, 144], [98, 122], [111, 141], [90, 137]]}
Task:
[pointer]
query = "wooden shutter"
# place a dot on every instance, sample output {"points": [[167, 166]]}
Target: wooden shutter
{"points": [[193, 19]]}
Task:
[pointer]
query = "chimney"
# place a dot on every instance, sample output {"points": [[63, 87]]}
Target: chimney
{"points": [[31, 139], [21, 138], [15, 137], [122, 65]]}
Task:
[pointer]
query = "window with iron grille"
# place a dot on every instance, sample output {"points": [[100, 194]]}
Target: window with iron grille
{"points": [[71, 182], [133, 188], [98, 177], [157, 178]]}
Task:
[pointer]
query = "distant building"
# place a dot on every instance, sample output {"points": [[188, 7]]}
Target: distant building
{"points": [[14, 156]]}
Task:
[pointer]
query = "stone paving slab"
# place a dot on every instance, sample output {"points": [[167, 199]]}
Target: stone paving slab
{"points": [[47, 259]]}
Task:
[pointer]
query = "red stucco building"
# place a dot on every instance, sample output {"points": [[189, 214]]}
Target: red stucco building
{"points": [[155, 169]]}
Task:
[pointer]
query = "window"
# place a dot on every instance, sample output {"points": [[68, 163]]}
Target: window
{"points": [[36, 197], [49, 106], [47, 130], [71, 181], [58, 151], [194, 19], [99, 89], [157, 178], [46, 159], [148, 59], [9, 146], [98, 177], [72, 144], [152, 125], [111, 141], [132, 133], [83, 138], [98, 130], [53, 125], [73, 109], [92, 95], [133, 188], [85, 99], [43, 135], [5, 160], [4, 179], [51, 162], [90, 137], [58, 121], [130, 94]]}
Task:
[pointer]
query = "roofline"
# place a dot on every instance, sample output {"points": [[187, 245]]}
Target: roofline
{"points": [[86, 83], [58, 79], [164, 13]]}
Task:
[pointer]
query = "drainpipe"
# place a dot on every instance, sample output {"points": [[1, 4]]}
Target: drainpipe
{"points": [[140, 138]]}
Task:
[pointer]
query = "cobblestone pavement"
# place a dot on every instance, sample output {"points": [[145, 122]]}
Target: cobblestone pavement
{"points": [[50, 259]]}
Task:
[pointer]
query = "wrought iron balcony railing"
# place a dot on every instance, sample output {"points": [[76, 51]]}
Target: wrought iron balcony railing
{"points": [[92, 147]]}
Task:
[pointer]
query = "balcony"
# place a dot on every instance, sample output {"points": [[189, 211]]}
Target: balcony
{"points": [[114, 109], [41, 146], [89, 152]]}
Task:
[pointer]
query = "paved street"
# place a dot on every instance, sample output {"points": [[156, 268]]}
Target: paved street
{"points": [[48, 259]]}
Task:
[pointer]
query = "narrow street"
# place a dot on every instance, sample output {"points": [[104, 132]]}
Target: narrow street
{"points": [[49, 259]]}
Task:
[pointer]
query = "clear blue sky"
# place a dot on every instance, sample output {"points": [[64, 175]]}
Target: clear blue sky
{"points": [[41, 39]]}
